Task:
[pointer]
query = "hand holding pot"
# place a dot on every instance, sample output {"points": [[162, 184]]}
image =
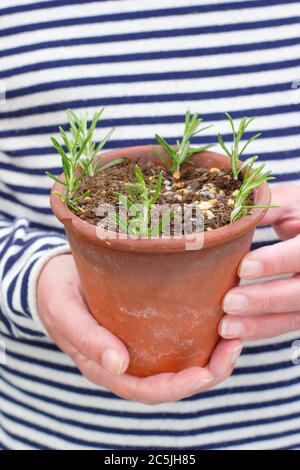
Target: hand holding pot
{"points": [[102, 357], [271, 308]]}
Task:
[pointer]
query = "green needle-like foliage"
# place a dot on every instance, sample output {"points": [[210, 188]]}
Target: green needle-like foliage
{"points": [[79, 124], [182, 151], [253, 178], [70, 161], [235, 152], [78, 159], [139, 203]]}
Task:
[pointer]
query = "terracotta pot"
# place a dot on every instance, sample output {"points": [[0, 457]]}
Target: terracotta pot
{"points": [[162, 300]]}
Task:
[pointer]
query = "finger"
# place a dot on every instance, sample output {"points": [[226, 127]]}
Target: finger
{"points": [[162, 388], [259, 327], [167, 387], [224, 358], [173, 387], [281, 258], [66, 347], [286, 218], [90, 369], [269, 297], [151, 390], [280, 197], [81, 330]]}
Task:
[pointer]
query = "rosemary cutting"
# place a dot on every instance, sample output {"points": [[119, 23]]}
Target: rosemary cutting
{"points": [[235, 152], [252, 179], [79, 124], [182, 152], [79, 158], [139, 203]]}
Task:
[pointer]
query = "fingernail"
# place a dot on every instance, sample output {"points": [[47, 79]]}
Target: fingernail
{"points": [[250, 268], [236, 353], [201, 383], [113, 362], [232, 329], [235, 303]]}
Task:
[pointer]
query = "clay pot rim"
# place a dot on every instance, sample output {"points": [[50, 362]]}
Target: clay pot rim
{"points": [[262, 196]]}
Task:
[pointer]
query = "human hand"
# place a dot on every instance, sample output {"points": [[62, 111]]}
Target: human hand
{"points": [[102, 357], [271, 308]]}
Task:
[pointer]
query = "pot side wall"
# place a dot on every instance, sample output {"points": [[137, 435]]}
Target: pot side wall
{"points": [[166, 307]]}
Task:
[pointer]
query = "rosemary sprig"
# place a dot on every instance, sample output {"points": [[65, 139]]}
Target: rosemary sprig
{"points": [[182, 152], [235, 152], [70, 161], [80, 153], [138, 203], [252, 179], [79, 123]]}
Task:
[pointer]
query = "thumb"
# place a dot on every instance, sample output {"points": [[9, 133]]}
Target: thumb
{"points": [[283, 195], [285, 218], [272, 216]]}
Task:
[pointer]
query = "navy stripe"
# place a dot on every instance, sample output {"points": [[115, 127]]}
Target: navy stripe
{"points": [[139, 99], [199, 8], [294, 447], [262, 368], [159, 55], [174, 76], [33, 225], [135, 15], [253, 349], [142, 35], [28, 189], [3, 447], [44, 5], [28, 171], [144, 120], [295, 175], [257, 245], [267, 133], [12, 198], [252, 440], [4, 321], [23, 330]]}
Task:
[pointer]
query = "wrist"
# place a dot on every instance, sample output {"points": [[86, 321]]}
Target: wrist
{"points": [[36, 279]]}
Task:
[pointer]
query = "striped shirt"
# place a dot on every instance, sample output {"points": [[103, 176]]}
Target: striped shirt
{"points": [[146, 62]]}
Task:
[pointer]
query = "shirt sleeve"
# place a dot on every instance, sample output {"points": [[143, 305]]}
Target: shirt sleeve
{"points": [[23, 253]]}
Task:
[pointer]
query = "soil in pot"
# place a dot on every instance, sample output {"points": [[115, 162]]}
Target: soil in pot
{"points": [[213, 190]]}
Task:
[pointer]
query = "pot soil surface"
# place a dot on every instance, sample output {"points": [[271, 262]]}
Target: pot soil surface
{"points": [[214, 190]]}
